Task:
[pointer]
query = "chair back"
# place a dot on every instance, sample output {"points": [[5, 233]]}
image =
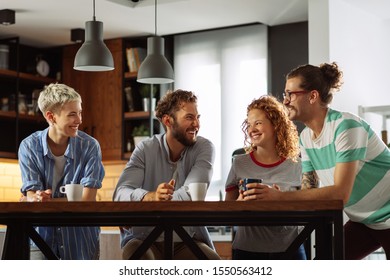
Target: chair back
{"points": [[236, 152]]}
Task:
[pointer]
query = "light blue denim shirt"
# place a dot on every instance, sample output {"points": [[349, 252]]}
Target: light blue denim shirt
{"points": [[83, 166], [150, 166]]}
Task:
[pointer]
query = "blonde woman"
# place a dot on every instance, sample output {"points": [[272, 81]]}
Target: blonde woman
{"points": [[59, 155]]}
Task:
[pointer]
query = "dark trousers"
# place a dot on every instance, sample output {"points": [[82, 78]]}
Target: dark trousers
{"points": [[360, 241], [245, 255]]}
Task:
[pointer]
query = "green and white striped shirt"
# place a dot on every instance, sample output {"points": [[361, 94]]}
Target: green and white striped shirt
{"points": [[344, 138]]}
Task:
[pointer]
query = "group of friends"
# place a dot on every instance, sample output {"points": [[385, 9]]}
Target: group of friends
{"points": [[336, 156]]}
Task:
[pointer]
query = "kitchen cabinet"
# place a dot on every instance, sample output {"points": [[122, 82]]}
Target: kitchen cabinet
{"points": [[101, 98], [135, 116], [20, 87], [137, 119]]}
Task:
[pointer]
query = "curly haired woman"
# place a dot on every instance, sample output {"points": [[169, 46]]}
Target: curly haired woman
{"points": [[272, 147]]}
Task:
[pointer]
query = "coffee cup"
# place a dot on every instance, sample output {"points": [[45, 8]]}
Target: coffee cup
{"points": [[197, 191], [246, 181], [74, 192]]}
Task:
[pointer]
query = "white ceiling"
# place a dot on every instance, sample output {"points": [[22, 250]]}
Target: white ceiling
{"points": [[45, 23], [48, 22]]}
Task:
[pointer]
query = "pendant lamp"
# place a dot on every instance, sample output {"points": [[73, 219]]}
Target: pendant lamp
{"points": [[93, 54], [7, 17], [155, 69]]}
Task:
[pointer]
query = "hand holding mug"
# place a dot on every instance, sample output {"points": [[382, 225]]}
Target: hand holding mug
{"points": [[247, 183], [262, 192]]}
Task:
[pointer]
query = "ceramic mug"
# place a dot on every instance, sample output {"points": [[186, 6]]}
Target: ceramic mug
{"points": [[74, 192], [246, 181], [197, 191]]}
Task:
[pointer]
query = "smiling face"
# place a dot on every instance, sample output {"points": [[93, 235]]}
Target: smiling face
{"points": [[260, 129], [66, 122], [186, 124], [297, 108]]}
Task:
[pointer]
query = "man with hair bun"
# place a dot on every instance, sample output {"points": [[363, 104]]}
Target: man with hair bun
{"points": [[341, 151]]}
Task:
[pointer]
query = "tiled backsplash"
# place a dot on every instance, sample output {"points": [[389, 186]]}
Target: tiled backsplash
{"points": [[10, 180]]}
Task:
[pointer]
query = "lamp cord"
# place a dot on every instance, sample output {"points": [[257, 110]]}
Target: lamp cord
{"points": [[94, 18], [155, 17]]}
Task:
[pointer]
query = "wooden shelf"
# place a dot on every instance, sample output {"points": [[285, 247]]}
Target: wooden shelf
{"points": [[16, 83], [126, 156], [26, 76], [131, 75], [23, 117], [7, 155], [37, 118], [8, 114], [136, 115]]}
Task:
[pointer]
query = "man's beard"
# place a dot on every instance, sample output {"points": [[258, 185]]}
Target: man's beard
{"points": [[180, 136]]}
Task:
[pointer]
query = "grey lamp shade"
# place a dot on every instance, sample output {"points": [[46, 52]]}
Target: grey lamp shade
{"points": [[7, 17], [155, 69], [93, 55]]}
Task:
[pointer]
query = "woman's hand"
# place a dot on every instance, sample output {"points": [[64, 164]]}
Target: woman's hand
{"points": [[38, 196], [258, 191]]}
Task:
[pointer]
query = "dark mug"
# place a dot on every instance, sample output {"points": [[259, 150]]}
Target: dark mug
{"points": [[248, 181]]}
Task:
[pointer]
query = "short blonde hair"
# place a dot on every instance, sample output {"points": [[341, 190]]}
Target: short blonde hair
{"points": [[54, 96]]}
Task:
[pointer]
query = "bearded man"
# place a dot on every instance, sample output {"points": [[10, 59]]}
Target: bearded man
{"points": [[161, 167]]}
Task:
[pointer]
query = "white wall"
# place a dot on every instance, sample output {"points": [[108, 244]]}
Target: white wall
{"points": [[359, 42]]}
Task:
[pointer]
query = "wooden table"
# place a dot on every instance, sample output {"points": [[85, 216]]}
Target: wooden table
{"points": [[324, 216]]}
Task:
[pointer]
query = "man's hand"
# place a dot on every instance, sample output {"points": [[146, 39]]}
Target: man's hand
{"points": [[164, 192]]}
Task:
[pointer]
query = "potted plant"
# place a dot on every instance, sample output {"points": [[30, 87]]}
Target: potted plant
{"points": [[144, 91], [140, 133]]}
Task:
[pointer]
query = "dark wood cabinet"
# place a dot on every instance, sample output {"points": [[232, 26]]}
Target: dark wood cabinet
{"points": [[19, 115], [102, 98], [139, 117]]}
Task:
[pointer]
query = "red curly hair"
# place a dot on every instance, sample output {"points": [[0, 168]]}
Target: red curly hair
{"points": [[287, 139]]}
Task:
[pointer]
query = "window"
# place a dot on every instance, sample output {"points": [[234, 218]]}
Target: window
{"points": [[226, 69]]}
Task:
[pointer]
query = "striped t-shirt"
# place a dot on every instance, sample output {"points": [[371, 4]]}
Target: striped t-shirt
{"points": [[344, 138]]}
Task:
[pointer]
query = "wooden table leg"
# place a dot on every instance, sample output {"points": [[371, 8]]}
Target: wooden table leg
{"points": [[42, 245], [189, 241], [147, 243], [16, 243], [324, 241], [168, 243], [339, 252]]}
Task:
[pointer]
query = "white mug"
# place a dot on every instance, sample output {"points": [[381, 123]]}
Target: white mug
{"points": [[197, 191], [74, 192]]}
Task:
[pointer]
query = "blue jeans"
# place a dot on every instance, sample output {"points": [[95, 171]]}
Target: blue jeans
{"points": [[300, 254]]}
